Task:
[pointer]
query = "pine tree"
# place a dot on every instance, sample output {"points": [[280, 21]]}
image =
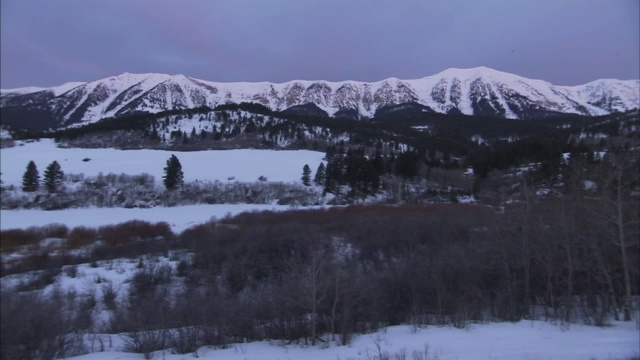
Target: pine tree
{"points": [[335, 173], [378, 163], [31, 178], [154, 133], [320, 175], [53, 177], [173, 175], [306, 175]]}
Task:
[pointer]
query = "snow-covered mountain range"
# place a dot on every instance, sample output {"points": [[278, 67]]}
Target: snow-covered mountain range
{"points": [[477, 91]]}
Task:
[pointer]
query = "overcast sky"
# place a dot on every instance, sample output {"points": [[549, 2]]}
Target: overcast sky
{"points": [[47, 43]]}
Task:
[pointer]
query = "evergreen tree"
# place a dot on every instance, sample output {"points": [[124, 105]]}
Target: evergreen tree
{"points": [[408, 164], [320, 174], [173, 175], [378, 163], [31, 178], [154, 133], [306, 175], [335, 173], [331, 151], [53, 177]]}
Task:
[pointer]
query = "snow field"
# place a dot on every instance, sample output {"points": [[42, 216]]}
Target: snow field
{"points": [[179, 218], [223, 165], [525, 340]]}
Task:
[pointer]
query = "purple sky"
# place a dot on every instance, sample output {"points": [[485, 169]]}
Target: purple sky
{"points": [[47, 43]]}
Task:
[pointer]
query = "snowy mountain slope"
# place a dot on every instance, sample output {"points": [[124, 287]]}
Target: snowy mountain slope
{"points": [[56, 90], [477, 91]]}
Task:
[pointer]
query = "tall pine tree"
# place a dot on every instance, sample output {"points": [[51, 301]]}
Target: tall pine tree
{"points": [[320, 175], [31, 178], [306, 175], [173, 175], [53, 177]]}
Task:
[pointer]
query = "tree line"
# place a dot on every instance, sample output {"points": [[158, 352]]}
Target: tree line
{"points": [[415, 150], [54, 176]]}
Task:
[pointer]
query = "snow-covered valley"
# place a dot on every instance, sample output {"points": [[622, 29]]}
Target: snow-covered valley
{"points": [[105, 293]]}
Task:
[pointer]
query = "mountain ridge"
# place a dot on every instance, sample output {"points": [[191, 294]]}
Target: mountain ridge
{"points": [[477, 91]]}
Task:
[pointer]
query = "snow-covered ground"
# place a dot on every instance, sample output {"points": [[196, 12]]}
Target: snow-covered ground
{"points": [[522, 340], [530, 340], [525, 340], [179, 217], [222, 165]]}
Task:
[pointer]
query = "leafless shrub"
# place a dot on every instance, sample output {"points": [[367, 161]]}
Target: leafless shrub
{"points": [[378, 353], [114, 235], [81, 236], [145, 342], [58, 231], [186, 340], [425, 354], [400, 355], [71, 270], [109, 296], [182, 268], [145, 230], [88, 301], [35, 327], [13, 238], [150, 276], [39, 280]]}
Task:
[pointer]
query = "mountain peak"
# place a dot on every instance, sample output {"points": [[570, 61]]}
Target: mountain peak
{"points": [[474, 91], [472, 73]]}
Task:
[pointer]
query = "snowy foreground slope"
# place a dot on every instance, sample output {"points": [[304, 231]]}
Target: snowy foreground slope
{"points": [[525, 340]]}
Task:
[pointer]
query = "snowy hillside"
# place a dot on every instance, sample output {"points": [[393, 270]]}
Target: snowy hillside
{"points": [[477, 91]]}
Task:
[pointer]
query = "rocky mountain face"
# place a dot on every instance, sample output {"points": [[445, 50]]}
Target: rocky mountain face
{"points": [[478, 91]]}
